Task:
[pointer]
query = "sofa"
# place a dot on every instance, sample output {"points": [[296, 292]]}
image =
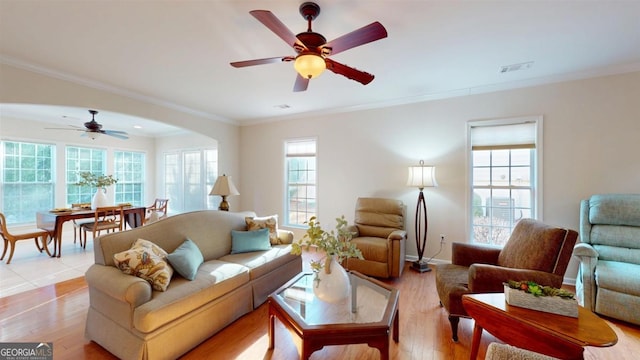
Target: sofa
{"points": [[134, 320], [609, 254]]}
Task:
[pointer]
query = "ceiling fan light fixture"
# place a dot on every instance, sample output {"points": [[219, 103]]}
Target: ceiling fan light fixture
{"points": [[93, 135], [309, 65]]}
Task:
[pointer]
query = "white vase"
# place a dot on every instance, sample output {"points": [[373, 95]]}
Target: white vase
{"points": [[99, 199], [332, 284]]}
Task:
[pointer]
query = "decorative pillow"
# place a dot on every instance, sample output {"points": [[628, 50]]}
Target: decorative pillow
{"points": [[186, 259], [146, 260], [246, 241], [268, 222]]}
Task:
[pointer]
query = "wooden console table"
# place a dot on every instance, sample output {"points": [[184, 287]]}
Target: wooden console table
{"points": [[53, 222], [559, 336]]}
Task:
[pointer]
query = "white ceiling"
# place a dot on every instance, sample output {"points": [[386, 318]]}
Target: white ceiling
{"points": [[178, 52]]}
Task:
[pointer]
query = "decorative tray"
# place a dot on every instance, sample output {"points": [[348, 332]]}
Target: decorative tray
{"points": [[60, 210]]}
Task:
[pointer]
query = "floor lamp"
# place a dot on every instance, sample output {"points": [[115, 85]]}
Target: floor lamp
{"points": [[421, 176], [224, 187]]}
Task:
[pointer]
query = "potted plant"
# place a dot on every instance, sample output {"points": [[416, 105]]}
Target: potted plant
{"points": [[100, 183], [531, 295], [331, 281]]}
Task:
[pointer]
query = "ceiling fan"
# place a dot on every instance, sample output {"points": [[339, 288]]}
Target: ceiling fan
{"points": [[93, 129], [313, 49]]}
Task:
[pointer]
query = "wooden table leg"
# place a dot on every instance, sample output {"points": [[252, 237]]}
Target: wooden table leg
{"points": [[57, 245], [272, 323], [475, 343], [382, 345], [45, 245], [396, 326]]}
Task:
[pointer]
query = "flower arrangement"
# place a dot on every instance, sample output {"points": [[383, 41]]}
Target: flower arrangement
{"points": [[336, 243], [539, 290], [88, 178]]}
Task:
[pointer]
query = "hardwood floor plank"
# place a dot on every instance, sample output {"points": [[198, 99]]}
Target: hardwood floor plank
{"points": [[57, 313]]}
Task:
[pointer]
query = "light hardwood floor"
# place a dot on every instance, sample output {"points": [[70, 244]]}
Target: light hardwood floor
{"points": [[57, 313]]}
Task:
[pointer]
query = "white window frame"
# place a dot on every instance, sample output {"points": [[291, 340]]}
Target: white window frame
{"points": [[85, 193], [33, 204], [130, 177], [288, 212], [536, 166], [174, 189]]}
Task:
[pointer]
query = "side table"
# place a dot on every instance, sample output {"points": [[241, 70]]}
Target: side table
{"points": [[550, 334]]}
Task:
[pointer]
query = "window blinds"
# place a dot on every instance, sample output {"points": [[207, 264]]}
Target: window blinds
{"points": [[505, 136]]}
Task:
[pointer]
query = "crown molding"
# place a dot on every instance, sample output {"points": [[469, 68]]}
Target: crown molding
{"points": [[38, 69]]}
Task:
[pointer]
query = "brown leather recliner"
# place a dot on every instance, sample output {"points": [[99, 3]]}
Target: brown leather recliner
{"points": [[534, 252], [379, 233]]}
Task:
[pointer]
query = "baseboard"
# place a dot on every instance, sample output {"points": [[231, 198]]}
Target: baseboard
{"points": [[411, 258]]}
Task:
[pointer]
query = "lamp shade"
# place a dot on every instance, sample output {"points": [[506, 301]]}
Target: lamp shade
{"points": [[224, 186], [422, 176], [309, 65]]}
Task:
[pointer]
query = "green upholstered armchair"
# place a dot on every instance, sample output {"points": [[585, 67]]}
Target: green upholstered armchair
{"points": [[609, 253], [535, 251]]}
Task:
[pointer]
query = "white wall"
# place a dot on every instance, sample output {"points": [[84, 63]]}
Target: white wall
{"points": [[591, 145], [22, 86]]}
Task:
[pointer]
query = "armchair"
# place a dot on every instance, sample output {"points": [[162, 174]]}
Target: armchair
{"points": [[157, 211], [379, 233], [535, 251], [609, 253]]}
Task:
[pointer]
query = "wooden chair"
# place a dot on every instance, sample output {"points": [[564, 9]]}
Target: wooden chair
{"points": [[157, 211], [77, 224], [108, 218], [11, 238]]}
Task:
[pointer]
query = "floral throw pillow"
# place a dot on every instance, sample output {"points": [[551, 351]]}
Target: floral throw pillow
{"points": [[268, 222], [147, 261]]}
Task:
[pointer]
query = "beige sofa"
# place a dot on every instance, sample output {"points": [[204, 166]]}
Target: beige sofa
{"points": [[133, 321]]}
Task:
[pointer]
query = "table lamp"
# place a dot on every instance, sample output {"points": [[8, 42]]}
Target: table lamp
{"points": [[224, 187]]}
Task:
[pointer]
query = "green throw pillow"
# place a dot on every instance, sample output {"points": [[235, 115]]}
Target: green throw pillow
{"points": [[186, 259], [246, 241]]}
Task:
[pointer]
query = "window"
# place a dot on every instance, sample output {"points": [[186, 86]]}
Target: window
{"points": [[129, 170], [505, 158], [171, 178], [27, 180], [189, 176], [83, 159], [301, 174], [211, 175]]}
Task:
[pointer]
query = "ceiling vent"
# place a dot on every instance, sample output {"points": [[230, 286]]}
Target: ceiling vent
{"points": [[516, 67]]}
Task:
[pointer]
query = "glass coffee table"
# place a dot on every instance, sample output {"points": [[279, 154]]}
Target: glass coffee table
{"points": [[366, 316]]}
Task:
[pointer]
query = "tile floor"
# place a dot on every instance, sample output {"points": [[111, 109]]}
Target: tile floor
{"points": [[30, 269]]}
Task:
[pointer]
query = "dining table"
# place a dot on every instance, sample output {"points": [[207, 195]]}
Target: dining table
{"points": [[53, 221]]}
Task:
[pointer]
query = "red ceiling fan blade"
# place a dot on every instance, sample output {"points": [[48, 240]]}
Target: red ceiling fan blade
{"points": [[366, 34], [272, 60], [301, 84], [274, 24], [360, 76]]}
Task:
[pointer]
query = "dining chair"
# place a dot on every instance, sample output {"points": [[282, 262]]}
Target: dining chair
{"points": [[107, 218], [157, 211], [10, 238], [77, 223]]}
